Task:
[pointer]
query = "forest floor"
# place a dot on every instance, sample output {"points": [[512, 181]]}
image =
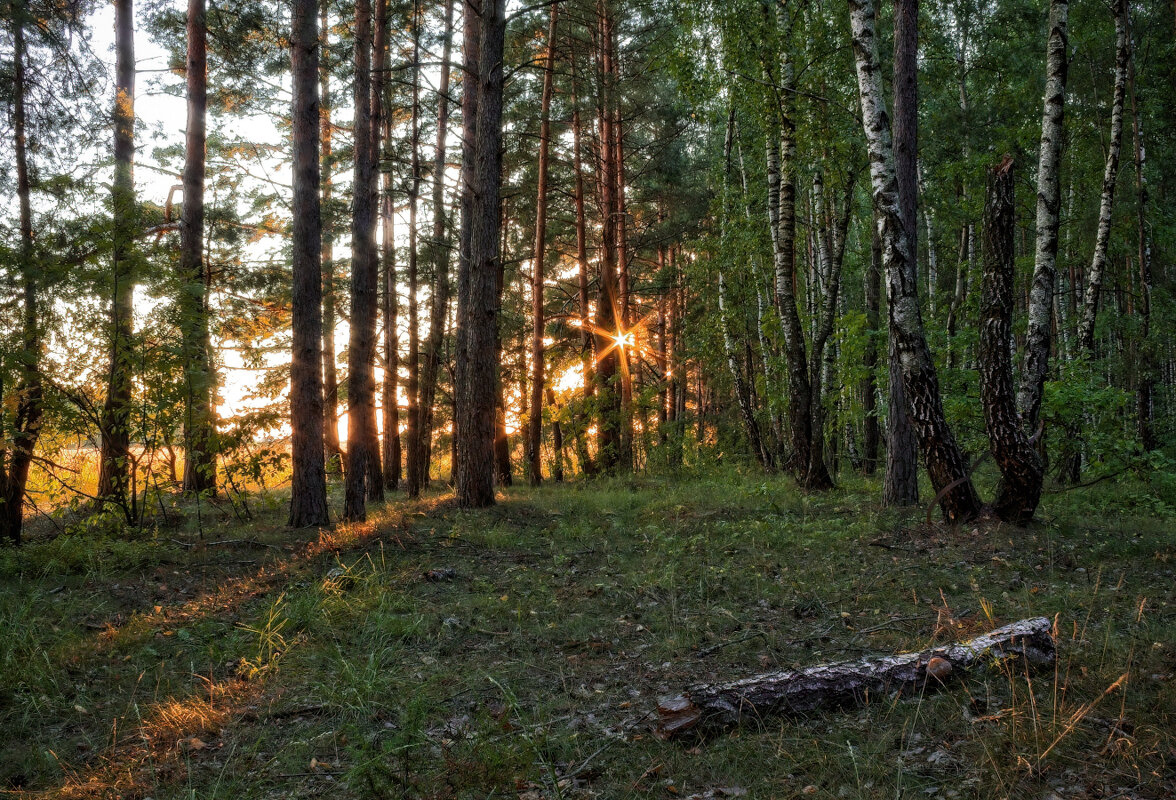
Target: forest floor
{"points": [[519, 652]]}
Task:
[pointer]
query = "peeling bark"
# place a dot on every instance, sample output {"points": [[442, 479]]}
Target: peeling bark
{"points": [[1038, 339], [942, 456], [1019, 463], [713, 707]]}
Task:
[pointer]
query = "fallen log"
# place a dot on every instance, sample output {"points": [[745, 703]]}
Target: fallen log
{"points": [[711, 706]]}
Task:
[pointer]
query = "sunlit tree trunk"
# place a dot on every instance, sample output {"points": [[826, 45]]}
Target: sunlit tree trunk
{"points": [[538, 253], [364, 280], [439, 303], [1049, 197], [1019, 463], [381, 211], [330, 372], [587, 363], [199, 430], [1098, 263], [945, 463], [114, 475], [477, 367], [308, 487]]}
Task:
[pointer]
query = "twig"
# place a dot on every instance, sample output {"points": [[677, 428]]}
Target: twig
{"points": [[715, 648]]}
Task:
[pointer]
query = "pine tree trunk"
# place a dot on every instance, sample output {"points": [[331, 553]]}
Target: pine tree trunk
{"points": [[439, 303], [114, 476], [389, 300], [477, 367], [1098, 263], [587, 363], [334, 453], [535, 425], [901, 484], [1019, 463], [308, 486], [199, 430], [26, 425], [1049, 197], [945, 463], [364, 281], [416, 451]]}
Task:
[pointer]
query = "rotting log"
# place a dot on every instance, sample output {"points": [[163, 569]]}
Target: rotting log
{"points": [[714, 706]]}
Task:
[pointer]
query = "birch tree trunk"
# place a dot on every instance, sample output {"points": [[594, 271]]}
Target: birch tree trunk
{"points": [[1049, 198], [308, 483], [1098, 263], [538, 254], [1019, 463], [730, 348], [439, 305], [945, 463]]}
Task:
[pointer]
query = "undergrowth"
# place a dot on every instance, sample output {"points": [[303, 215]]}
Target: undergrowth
{"points": [[520, 651]]}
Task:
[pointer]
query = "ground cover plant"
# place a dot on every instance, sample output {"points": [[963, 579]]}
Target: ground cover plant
{"points": [[519, 651]]}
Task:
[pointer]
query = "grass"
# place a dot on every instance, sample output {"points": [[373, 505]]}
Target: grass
{"points": [[519, 651]]}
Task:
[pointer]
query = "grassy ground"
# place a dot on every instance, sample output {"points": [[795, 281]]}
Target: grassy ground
{"points": [[519, 652]]}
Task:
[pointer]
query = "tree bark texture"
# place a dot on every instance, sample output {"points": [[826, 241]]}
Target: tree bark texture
{"points": [[1019, 463], [901, 483], [308, 488], [873, 293], [1098, 263], [945, 463], [717, 706], [1038, 339], [414, 468], [478, 369], [361, 405], [199, 422]]}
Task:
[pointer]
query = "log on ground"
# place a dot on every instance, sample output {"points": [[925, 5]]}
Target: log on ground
{"points": [[714, 706]]}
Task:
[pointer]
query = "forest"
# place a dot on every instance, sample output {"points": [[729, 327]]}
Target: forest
{"points": [[588, 398]]}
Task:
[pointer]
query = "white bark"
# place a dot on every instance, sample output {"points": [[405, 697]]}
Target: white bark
{"points": [[1049, 198], [1098, 263]]}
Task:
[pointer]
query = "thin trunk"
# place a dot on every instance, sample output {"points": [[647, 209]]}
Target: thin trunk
{"points": [[502, 472], [477, 369], [587, 363], [1049, 197], [535, 426], [308, 492], [380, 188], [932, 252], [439, 303], [416, 451], [1019, 463], [1145, 402], [390, 301], [873, 293], [26, 425], [1098, 263], [334, 453], [364, 281], [730, 347], [114, 474], [944, 460]]}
